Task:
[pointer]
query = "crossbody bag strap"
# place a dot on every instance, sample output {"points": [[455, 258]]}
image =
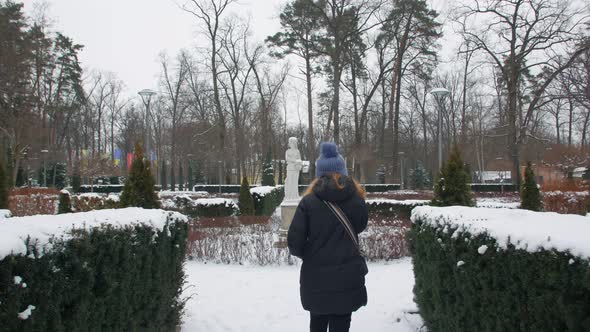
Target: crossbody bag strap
{"points": [[345, 222]]}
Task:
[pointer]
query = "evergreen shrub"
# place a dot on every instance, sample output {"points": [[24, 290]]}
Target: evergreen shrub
{"points": [[268, 171], [223, 208], [452, 186], [459, 289], [530, 196], [139, 189], [246, 201], [265, 205], [104, 279], [65, 203]]}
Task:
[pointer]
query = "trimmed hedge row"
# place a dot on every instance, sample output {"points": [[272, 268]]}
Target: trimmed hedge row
{"points": [[105, 188], [105, 279], [265, 205], [392, 208], [459, 288], [224, 208], [494, 187]]}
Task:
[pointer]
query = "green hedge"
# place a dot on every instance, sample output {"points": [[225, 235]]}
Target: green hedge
{"points": [[225, 188], [388, 207], [265, 205], [493, 187], [501, 290], [207, 210], [105, 279]]}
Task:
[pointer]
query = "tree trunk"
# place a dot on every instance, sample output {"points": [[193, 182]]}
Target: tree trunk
{"points": [[310, 134]]}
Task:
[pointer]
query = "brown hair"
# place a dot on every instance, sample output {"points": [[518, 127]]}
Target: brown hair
{"points": [[336, 178]]}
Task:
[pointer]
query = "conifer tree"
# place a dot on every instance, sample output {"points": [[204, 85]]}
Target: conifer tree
{"points": [[180, 178], [21, 178], [172, 178], [246, 201], [268, 171], [163, 176], [3, 188], [419, 177], [530, 195], [190, 177], [65, 203], [139, 188], [452, 187], [76, 178]]}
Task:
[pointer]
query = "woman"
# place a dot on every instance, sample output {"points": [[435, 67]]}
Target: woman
{"points": [[332, 280]]}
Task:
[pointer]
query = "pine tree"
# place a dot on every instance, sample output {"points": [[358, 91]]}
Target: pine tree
{"points": [[65, 203], [530, 195], [21, 178], [76, 179], [172, 178], [281, 180], [163, 176], [419, 177], [452, 187], [268, 170], [3, 188], [139, 188], [180, 178], [246, 202], [199, 178]]}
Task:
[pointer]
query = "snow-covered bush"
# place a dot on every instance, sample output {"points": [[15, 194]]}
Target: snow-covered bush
{"points": [[206, 207], [115, 270], [482, 269], [267, 199]]}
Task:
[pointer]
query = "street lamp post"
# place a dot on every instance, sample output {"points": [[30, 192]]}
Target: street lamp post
{"points": [[439, 94], [146, 97], [44, 152]]}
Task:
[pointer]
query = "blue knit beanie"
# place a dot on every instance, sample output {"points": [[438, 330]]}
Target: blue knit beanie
{"points": [[330, 161]]}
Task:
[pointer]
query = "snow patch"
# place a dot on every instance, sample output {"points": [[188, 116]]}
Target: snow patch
{"points": [[5, 214], [263, 190], [18, 280], [460, 263], [398, 202], [27, 313], [482, 250]]}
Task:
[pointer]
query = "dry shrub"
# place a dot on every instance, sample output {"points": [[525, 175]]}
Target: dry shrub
{"points": [[569, 202], [257, 240], [572, 185], [32, 201]]}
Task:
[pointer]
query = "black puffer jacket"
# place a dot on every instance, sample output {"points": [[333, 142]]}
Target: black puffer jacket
{"points": [[333, 273]]}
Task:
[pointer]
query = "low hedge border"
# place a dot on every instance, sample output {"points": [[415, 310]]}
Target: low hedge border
{"points": [[107, 278], [207, 207], [398, 209], [468, 282]]}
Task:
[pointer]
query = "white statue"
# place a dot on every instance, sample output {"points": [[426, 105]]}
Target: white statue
{"points": [[293, 158]]}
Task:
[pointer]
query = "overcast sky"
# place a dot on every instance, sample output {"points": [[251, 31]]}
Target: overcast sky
{"points": [[126, 36]]}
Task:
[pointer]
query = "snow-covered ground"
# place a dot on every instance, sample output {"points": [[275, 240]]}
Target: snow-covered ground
{"points": [[253, 298]]}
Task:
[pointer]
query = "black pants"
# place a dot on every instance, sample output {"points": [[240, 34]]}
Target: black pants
{"points": [[337, 323]]}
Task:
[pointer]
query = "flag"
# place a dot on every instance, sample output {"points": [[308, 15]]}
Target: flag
{"points": [[129, 161], [117, 157]]}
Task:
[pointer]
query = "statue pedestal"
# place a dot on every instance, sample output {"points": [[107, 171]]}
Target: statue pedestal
{"points": [[287, 213]]}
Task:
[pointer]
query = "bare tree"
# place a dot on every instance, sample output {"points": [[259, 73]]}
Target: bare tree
{"points": [[521, 37]]}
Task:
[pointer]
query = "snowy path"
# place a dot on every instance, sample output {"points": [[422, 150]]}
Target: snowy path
{"points": [[252, 298]]}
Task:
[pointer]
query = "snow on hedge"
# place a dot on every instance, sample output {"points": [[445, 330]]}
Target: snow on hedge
{"points": [[5, 214], [214, 201], [41, 228], [497, 203], [398, 202], [263, 190], [524, 229]]}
